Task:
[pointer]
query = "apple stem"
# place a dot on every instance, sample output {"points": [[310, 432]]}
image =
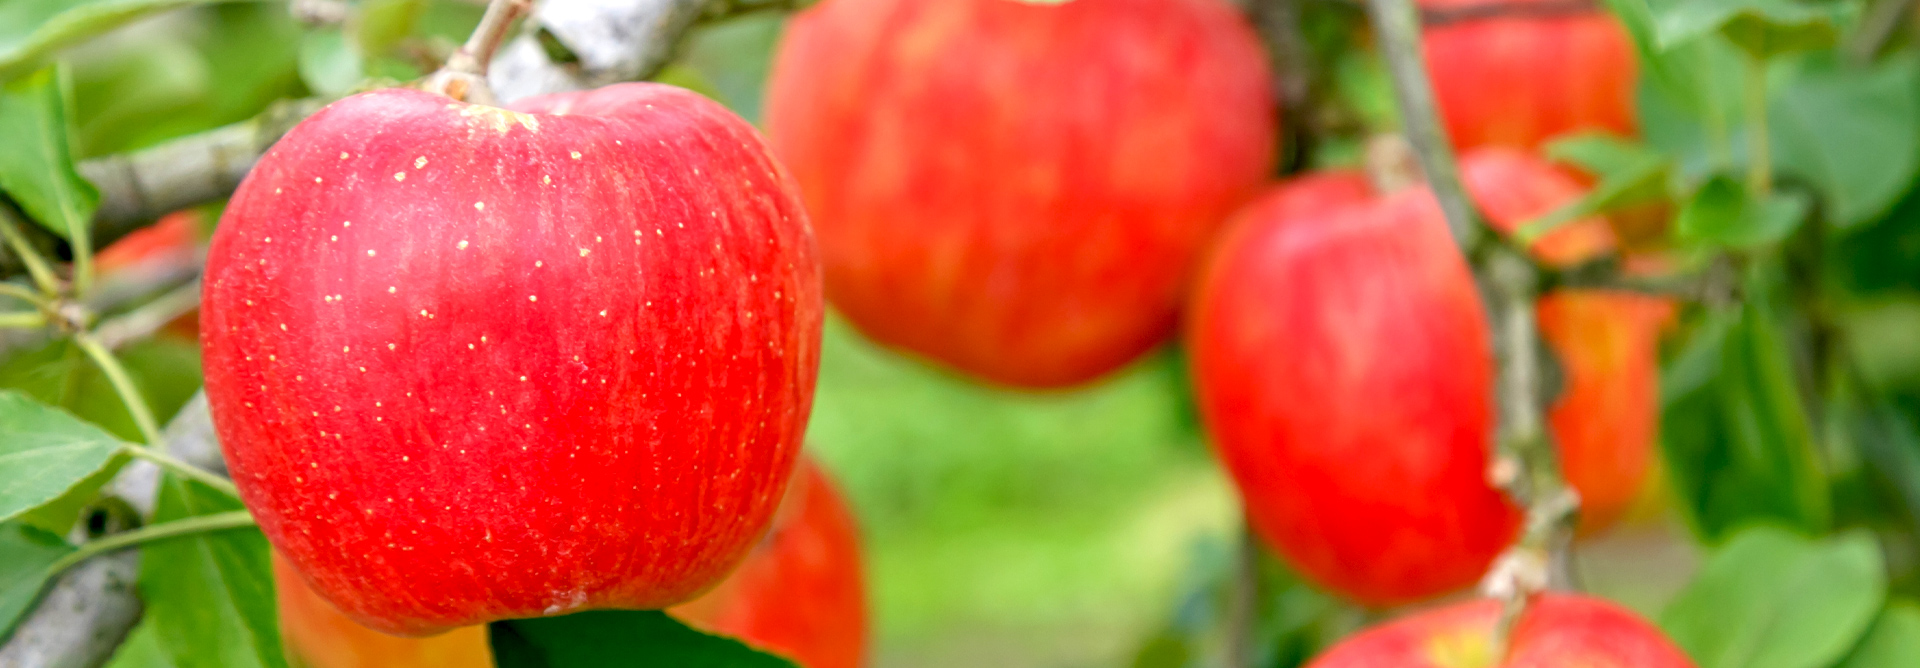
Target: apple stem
{"points": [[464, 77], [1397, 29], [235, 519]]}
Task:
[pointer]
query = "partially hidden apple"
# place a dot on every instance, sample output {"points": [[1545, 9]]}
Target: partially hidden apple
{"points": [[1522, 79], [469, 363], [1555, 631], [800, 593], [1019, 190], [1343, 366], [1607, 342]]}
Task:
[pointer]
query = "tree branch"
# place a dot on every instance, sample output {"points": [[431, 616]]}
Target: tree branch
{"points": [[137, 188], [1397, 29]]}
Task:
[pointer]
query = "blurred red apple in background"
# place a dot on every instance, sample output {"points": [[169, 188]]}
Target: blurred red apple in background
{"points": [[1342, 363], [1343, 366], [1608, 343], [1019, 190], [1521, 79], [801, 594], [470, 364], [1555, 631]]}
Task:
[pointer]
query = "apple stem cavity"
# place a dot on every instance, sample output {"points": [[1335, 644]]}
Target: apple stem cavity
{"points": [[464, 77]]}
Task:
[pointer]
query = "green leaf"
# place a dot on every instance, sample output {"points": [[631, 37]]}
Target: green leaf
{"points": [[1723, 213], [615, 638], [44, 452], [1734, 432], [25, 554], [209, 596], [1761, 28], [1629, 173], [1772, 599], [1853, 132], [330, 64], [1894, 641], [61, 514], [141, 649], [36, 162], [31, 30]]}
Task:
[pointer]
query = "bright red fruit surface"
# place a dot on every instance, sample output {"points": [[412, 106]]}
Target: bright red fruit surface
{"points": [[801, 593], [1343, 366], [1607, 343], [1520, 80], [1019, 190], [1557, 631], [471, 364]]}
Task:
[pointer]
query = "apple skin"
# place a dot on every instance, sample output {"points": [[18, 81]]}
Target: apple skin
{"points": [[1608, 342], [1019, 190], [1343, 365], [1556, 631], [800, 593], [469, 364], [1519, 81]]}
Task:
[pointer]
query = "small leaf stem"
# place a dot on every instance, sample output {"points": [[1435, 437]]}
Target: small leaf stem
{"points": [[235, 519], [184, 469], [123, 385], [1759, 152], [36, 265]]}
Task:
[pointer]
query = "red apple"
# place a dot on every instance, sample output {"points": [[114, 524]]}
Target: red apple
{"points": [[1606, 416], [1520, 80], [317, 635], [1019, 190], [471, 364], [1556, 631], [1344, 368], [800, 594]]}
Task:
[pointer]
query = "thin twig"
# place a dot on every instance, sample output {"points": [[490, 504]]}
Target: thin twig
{"points": [[1294, 77], [150, 317], [464, 77], [36, 265], [185, 469], [23, 320], [122, 385], [187, 526]]}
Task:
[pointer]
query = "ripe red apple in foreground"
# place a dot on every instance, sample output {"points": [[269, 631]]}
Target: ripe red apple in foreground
{"points": [[470, 364], [1520, 80], [1344, 368], [1019, 190], [1556, 631], [800, 593], [1608, 343]]}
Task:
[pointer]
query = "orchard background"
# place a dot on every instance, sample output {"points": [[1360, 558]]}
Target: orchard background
{"points": [[1763, 165]]}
